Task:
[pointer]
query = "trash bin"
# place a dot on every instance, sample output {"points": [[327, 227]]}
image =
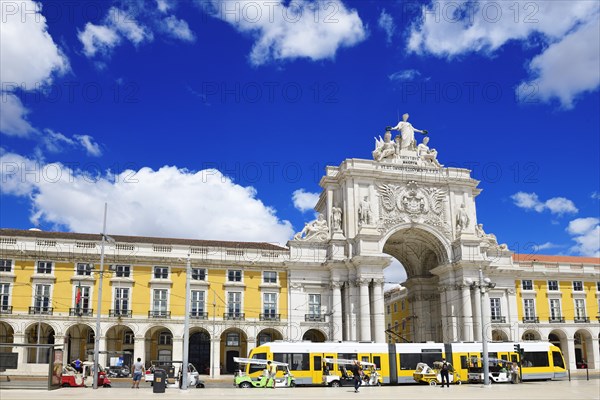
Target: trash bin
{"points": [[160, 381], [170, 371]]}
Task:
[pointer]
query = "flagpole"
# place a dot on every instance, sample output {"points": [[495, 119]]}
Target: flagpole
{"points": [[97, 333]]}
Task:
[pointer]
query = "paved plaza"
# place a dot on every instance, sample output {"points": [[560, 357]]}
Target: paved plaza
{"points": [[576, 389]]}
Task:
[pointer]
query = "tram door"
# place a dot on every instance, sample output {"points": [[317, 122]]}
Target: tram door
{"points": [[316, 368]]}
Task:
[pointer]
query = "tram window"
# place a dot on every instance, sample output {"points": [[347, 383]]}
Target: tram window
{"points": [[377, 361], [300, 362], [409, 360], [557, 359], [493, 355], [513, 357], [536, 359], [317, 363], [430, 358], [463, 362], [504, 357]]}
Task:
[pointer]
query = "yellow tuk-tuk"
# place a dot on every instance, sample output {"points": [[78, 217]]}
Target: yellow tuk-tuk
{"points": [[432, 376]]}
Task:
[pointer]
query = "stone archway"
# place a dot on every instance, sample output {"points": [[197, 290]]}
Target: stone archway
{"points": [[420, 250], [498, 335], [314, 335], [38, 333], [199, 350], [234, 343], [79, 341], [7, 334], [120, 341], [584, 351], [268, 335], [158, 344], [531, 335]]}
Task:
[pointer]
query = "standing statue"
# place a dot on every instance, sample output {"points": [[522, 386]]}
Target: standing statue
{"points": [[364, 212], [462, 218], [384, 148], [336, 219], [426, 154], [408, 133], [315, 230]]}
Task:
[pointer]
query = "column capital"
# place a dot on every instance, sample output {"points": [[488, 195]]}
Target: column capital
{"points": [[378, 281], [362, 281], [336, 284]]}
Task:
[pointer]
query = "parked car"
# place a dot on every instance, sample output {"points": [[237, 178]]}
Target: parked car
{"points": [[119, 371]]}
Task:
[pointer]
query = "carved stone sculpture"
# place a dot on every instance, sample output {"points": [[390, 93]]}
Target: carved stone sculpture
{"points": [[427, 155], [364, 212], [336, 219], [384, 148], [316, 230], [490, 238], [408, 133], [462, 218]]}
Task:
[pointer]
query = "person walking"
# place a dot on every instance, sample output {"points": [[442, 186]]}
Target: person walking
{"points": [[138, 368], [445, 373], [357, 373], [271, 374]]}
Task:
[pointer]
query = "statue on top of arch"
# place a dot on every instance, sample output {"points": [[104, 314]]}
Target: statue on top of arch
{"points": [[403, 149]]}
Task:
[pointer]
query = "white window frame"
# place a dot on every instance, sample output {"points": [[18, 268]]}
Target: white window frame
{"points": [[85, 297], [314, 307], [5, 291], [525, 308], [579, 307], [198, 297], [270, 299], [45, 263], [161, 270], [6, 265], [270, 279], [234, 272], [388, 309], [554, 305], [128, 338], [495, 309], [578, 286], [162, 301], [530, 282], [230, 342], [231, 296], [49, 295], [553, 289], [120, 269], [119, 300], [196, 273], [165, 338]]}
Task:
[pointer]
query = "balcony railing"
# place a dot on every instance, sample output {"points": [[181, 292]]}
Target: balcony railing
{"points": [[198, 314], [557, 319], [314, 317], [119, 313], [270, 317], [582, 320], [498, 320], [234, 316], [531, 320], [159, 314], [5, 309], [81, 312], [40, 310]]}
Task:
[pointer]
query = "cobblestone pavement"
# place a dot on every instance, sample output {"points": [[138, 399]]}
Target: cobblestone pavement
{"points": [[559, 390]]}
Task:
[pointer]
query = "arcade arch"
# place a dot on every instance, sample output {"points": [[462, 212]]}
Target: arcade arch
{"points": [[498, 335], [199, 350], [314, 335], [268, 335], [120, 341], [158, 343], [38, 333], [6, 336], [79, 341], [234, 343]]}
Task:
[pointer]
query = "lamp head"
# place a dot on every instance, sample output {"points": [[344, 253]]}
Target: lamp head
{"points": [[469, 281]]}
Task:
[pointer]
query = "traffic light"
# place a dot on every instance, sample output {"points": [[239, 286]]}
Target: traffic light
{"points": [[519, 350]]}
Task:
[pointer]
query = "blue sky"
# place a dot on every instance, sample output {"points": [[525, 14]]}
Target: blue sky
{"points": [[216, 119]]}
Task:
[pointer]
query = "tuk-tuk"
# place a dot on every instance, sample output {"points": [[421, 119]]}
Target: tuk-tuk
{"points": [[432, 376], [174, 374], [371, 376], [72, 378], [499, 370], [283, 376]]}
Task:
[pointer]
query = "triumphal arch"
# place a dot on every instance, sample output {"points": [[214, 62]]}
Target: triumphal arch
{"points": [[406, 204]]}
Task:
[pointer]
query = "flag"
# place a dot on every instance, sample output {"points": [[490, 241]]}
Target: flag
{"points": [[78, 297]]}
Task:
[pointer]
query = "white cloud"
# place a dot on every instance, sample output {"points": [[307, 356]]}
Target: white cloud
{"points": [[567, 30], [289, 30], [304, 201], [545, 246], [169, 202], [97, 38], [54, 141], [163, 5], [13, 117], [178, 29], [586, 234], [118, 24], [556, 205], [386, 23], [394, 274], [30, 58], [404, 75], [92, 148], [595, 195]]}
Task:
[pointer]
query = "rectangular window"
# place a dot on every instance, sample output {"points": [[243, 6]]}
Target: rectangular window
{"points": [[198, 274], [598, 286], [6, 266], [555, 309], [314, 305], [122, 271], [577, 286], [82, 301], [4, 290], [580, 308], [197, 305], [495, 311], [233, 339], [165, 338], [234, 275], [161, 272], [270, 277], [552, 285], [270, 305], [121, 300], [527, 284], [128, 338], [42, 298], [395, 307], [84, 269], [234, 304], [529, 308], [403, 305], [159, 301], [388, 309], [44, 267]]}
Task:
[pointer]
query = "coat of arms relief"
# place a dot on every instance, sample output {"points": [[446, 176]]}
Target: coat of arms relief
{"points": [[412, 203]]}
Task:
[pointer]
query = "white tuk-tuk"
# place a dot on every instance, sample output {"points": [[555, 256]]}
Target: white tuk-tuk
{"points": [[371, 376]]}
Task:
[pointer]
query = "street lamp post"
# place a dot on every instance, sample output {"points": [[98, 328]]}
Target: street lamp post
{"points": [[186, 327], [99, 307], [484, 344]]}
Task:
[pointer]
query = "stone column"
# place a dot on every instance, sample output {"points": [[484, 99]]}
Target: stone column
{"points": [[215, 357], [139, 350], [571, 362], [378, 311], [177, 352], [467, 315], [475, 297], [364, 309], [250, 344], [595, 353], [445, 313], [353, 296], [19, 338], [102, 357], [452, 298], [336, 309]]}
